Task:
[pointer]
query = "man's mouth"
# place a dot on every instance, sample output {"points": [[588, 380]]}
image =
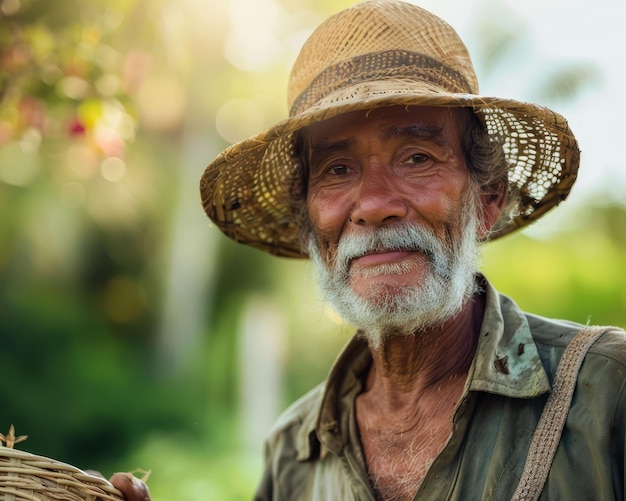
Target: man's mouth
{"points": [[376, 258]]}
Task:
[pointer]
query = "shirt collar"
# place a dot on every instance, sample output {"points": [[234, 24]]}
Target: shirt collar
{"points": [[506, 363], [334, 414]]}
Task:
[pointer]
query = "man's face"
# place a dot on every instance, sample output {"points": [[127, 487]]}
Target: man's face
{"points": [[392, 212]]}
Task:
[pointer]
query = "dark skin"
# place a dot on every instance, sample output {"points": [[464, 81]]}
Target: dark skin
{"points": [[376, 168]]}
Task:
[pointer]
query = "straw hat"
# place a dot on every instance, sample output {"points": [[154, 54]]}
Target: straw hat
{"points": [[381, 53]]}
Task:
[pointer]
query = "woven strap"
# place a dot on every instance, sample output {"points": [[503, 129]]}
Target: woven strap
{"points": [[548, 433]]}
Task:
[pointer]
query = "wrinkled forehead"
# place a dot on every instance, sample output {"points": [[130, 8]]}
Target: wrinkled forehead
{"points": [[446, 125]]}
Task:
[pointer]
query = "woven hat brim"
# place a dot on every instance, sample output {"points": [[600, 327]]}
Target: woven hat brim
{"points": [[246, 190]]}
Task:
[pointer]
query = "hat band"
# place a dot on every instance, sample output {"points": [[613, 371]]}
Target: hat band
{"points": [[378, 66]]}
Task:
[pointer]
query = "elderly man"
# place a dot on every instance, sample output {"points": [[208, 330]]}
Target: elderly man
{"points": [[389, 172]]}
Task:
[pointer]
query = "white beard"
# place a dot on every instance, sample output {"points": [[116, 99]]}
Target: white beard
{"points": [[387, 310]]}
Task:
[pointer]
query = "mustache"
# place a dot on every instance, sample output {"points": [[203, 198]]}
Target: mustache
{"points": [[405, 237]]}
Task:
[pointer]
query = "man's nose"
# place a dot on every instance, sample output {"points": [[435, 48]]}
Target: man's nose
{"points": [[379, 200]]}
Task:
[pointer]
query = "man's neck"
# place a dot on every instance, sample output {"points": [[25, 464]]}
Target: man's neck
{"points": [[406, 366], [412, 389]]}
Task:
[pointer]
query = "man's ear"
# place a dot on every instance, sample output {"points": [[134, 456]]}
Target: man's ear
{"points": [[492, 205]]}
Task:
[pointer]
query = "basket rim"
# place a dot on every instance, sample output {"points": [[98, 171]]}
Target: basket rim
{"points": [[16, 465]]}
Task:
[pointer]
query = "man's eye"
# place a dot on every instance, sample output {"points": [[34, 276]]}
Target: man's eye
{"points": [[339, 170], [418, 158]]}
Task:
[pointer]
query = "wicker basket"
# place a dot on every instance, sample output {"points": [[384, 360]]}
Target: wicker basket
{"points": [[27, 477]]}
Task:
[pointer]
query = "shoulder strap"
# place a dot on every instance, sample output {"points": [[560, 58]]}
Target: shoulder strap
{"points": [[548, 433]]}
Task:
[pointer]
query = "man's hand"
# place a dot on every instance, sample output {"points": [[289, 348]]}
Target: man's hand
{"points": [[131, 487]]}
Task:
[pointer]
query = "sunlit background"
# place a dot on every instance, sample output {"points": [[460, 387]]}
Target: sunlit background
{"points": [[132, 333]]}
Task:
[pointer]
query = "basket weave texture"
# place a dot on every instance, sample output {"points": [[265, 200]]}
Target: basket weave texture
{"points": [[27, 477]]}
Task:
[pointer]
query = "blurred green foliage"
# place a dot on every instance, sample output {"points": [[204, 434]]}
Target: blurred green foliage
{"points": [[102, 104], [577, 274]]}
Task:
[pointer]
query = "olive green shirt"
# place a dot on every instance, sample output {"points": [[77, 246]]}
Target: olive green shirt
{"points": [[314, 451]]}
